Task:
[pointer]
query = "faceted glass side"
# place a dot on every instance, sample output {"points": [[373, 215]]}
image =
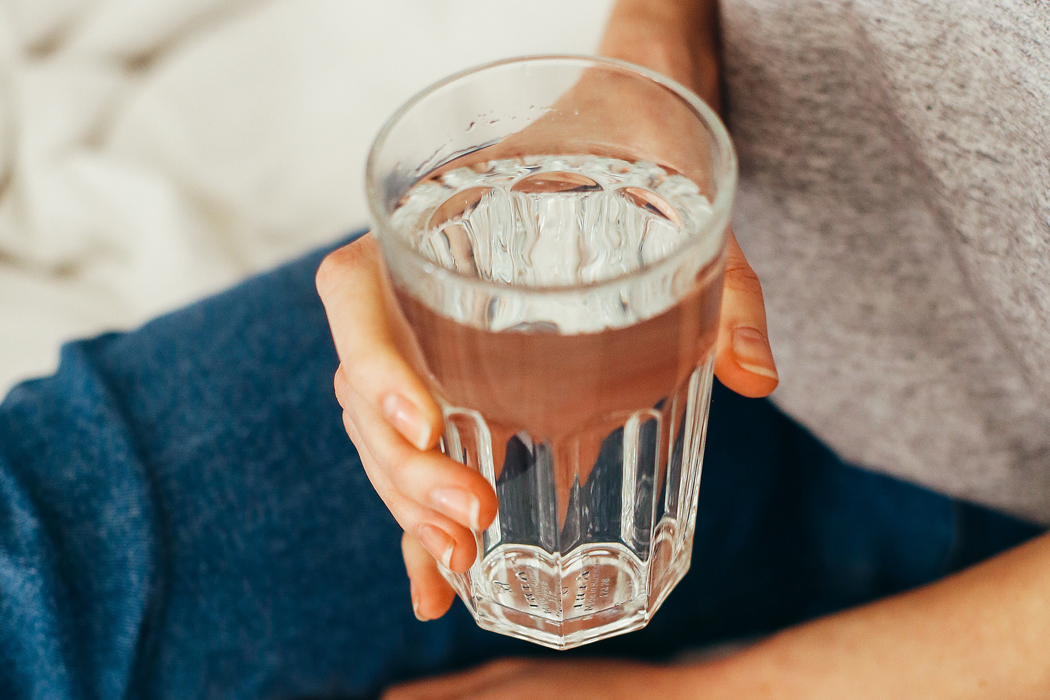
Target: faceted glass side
{"points": [[594, 531]]}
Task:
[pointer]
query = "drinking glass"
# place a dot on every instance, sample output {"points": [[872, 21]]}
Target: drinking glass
{"points": [[553, 230]]}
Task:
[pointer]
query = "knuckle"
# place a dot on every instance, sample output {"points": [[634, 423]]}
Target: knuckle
{"points": [[405, 512], [408, 544], [353, 392], [335, 264], [418, 562], [327, 273], [405, 468], [351, 428], [740, 276], [376, 369], [363, 371], [341, 387]]}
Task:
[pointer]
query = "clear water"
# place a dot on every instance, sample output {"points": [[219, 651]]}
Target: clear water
{"points": [[584, 407], [556, 222]]}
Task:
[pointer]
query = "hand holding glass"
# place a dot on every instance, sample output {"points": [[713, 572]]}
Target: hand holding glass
{"points": [[554, 231]]}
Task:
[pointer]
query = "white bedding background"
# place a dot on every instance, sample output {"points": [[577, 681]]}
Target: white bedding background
{"points": [[154, 151]]}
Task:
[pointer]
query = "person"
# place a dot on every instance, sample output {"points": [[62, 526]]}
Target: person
{"points": [[181, 514]]}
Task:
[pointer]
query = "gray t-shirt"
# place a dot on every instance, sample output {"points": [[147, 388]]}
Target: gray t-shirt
{"points": [[895, 201]]}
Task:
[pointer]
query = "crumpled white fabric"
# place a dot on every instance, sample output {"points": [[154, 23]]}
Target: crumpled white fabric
{"points": [[153, 151]]}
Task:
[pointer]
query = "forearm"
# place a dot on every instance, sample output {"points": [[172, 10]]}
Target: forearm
{"points": [[678, 38], [677, 10], [983, 633]]}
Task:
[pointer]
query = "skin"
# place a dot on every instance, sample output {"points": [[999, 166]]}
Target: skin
{"points": [[393, 420], [980, 634]]}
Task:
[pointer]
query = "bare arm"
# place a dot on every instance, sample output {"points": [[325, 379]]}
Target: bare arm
{"points": [[679, 38], [982, 633]]}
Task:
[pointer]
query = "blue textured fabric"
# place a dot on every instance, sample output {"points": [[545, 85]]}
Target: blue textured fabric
{"points": [[182, 516]]}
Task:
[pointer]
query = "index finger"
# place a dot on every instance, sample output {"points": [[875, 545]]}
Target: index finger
{"points": [[373, 342]]}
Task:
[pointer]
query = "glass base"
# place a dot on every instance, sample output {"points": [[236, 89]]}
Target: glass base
{"points": [[562, 602]]}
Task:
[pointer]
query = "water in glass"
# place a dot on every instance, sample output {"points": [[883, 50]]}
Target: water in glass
{"points": [[583, 402]]}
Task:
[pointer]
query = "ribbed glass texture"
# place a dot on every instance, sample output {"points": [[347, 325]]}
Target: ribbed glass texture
{"points": [[566, 562]]}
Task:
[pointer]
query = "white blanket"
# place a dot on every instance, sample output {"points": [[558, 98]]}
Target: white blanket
{"points": [[153, 151]]}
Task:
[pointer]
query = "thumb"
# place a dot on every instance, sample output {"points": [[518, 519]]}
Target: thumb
{"points": [[743, 360]]}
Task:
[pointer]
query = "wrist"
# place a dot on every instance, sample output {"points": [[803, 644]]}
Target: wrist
{"points": [[679, 11], [678, 38]]}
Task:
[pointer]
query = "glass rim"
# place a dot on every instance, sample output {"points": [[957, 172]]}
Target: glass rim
{"points": [[725, 173]]}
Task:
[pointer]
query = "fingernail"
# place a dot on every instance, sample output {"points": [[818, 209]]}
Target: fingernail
{"points": [[460, 505], [407, 419], [415, 602], [437, 542], [752, 352]]}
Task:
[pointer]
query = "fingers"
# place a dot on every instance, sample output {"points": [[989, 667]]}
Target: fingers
{"points": [[371, 346], [395, 423], [432, 595], [743, 361], [436, 538], [437, 500]]}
